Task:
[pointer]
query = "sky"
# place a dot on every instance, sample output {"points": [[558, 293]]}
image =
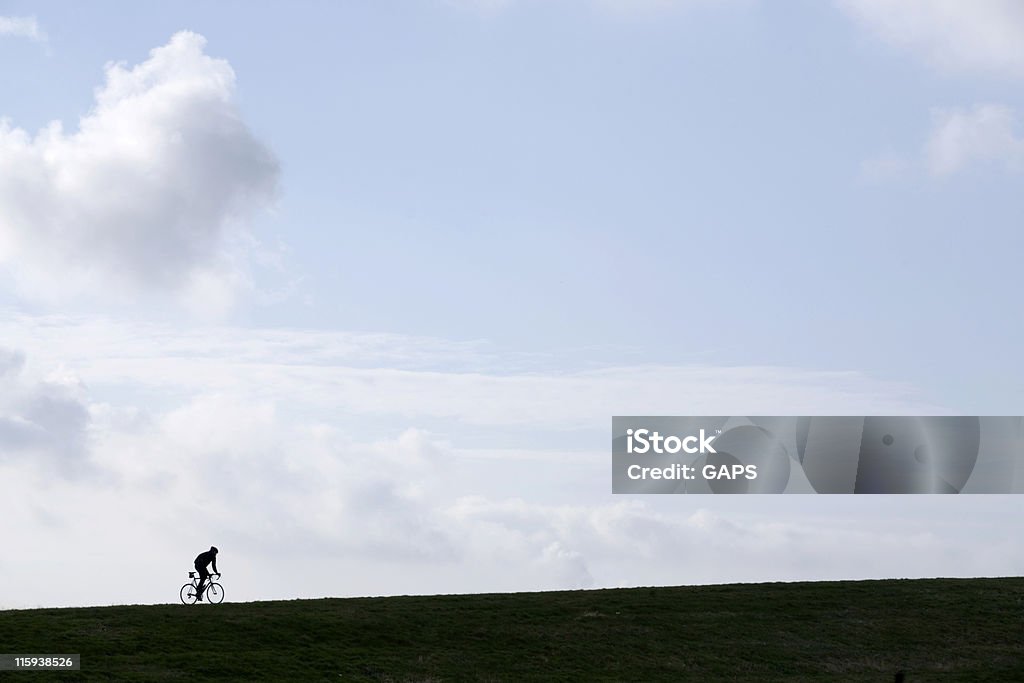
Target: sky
{"points": [[353, 290]]}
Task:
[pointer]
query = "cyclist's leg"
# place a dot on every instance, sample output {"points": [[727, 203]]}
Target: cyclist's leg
{"points": [[203, 576]]}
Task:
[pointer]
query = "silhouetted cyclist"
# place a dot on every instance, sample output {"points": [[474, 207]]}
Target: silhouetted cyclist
{"points": [[202, 560]]}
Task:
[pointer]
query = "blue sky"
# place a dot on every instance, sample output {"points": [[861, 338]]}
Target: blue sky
{"points": [[470, 232]]}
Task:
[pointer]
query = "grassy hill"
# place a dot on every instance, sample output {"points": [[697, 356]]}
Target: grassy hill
{"points": [[934, 630]]}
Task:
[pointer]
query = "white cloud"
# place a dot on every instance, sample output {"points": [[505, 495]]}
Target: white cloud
{"points": [[341, 515], [207, 446], [631, 542], [290, 446], [984, 133], [43, 421], [148, 193], [954, 35], [23, 27], [391, 377]]}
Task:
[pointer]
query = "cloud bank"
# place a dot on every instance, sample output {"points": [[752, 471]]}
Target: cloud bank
{"points": [[149, 193], [360, 459], [984, 36], [426, 379]]}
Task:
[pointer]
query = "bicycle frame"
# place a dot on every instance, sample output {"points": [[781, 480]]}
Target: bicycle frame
{"points": [[206, 589]]}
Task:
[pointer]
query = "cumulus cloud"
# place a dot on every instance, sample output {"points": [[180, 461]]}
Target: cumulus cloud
{"points": [[980, 36], [22, 27], [43, 421], [984, 133], [301, 483], [149, 193]]}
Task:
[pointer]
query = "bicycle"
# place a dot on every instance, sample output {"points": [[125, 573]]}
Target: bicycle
{"points": [[213, 591]]}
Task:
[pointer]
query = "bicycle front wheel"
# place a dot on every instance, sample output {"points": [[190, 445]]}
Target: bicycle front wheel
{"points": [[188, 594], [215, 594]]}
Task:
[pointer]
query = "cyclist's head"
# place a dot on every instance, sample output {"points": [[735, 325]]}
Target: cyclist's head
{"points": [[213, 549]]}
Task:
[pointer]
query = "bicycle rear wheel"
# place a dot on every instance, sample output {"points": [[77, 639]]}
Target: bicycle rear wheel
{"points": [[188, 594], [215, 594]]}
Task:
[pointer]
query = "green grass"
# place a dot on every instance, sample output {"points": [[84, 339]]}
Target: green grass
{"points": [[934, 630]]}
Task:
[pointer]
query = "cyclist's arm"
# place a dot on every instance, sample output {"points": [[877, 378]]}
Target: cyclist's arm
{"points": [[215, 566]]}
